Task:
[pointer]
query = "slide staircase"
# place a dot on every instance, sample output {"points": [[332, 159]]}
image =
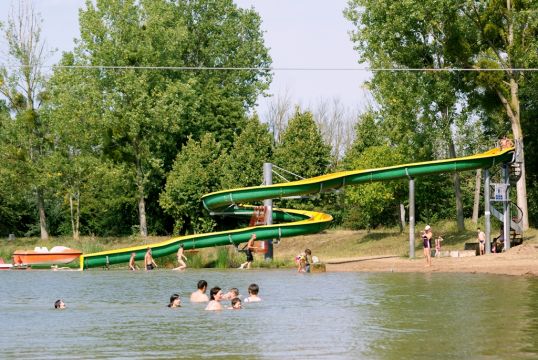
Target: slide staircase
{"points": [[288, 222]]}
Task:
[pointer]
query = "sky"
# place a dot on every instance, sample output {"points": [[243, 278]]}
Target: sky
{"points": [[299, 33]]}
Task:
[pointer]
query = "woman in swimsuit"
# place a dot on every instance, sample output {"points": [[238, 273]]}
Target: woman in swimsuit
{"points": [[426, 243]]}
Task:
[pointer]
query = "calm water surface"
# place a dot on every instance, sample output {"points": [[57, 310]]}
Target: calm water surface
{"points": [[120, 314]]}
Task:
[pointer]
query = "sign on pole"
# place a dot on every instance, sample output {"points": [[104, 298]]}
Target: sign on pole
{"points": [[500, 192]]}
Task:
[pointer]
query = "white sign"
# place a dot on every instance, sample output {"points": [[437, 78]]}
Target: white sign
{"points": [[500, 192]]}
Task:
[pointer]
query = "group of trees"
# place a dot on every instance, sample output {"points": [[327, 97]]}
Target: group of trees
{"points": [[134, 125]]}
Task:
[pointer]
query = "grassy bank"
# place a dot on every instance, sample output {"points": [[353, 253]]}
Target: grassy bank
{"points": [[329, 245]]}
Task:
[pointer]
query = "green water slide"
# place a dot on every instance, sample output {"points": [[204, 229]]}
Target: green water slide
{"points": [[288, 222]]}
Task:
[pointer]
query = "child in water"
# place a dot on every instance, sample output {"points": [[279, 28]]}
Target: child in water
{"points": [[253, 290]]}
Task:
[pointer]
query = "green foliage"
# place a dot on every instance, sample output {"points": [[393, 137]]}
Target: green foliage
{"points": [[302, 150], [251, 148], [195, 173], [372, 204]]}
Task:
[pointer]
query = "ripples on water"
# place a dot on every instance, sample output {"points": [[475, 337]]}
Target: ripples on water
{"points": [[120, 314]]}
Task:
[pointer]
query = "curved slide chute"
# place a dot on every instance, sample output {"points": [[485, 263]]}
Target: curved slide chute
{"points": [[289, 222]]}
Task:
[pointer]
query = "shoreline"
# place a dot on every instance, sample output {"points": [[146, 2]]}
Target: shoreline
{"points": [[521, 260]]}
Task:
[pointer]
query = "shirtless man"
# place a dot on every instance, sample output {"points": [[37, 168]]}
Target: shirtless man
{"points": [[200, 295], [149, 263], [481, 241], [180, 257], [249, 247]]}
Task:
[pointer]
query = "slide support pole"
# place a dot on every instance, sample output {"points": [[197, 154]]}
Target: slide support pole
{"points": [[506, 208], [268, 203], [487, 210], [411, 218]]}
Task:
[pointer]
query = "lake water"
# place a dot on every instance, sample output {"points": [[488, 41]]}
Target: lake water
{"points": [[120, 315]]}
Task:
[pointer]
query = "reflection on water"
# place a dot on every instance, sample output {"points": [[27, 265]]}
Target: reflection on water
{"points": [[120, 314]]}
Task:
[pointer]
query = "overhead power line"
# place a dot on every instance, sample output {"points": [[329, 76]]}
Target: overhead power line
{"points": [[209, 68]]}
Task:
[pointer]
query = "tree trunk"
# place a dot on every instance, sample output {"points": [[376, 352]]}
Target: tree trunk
{"points": [[142, 216], [457, 189], [402, 218], [476, 205], [75, 217], [512, 110], [42, 217]]}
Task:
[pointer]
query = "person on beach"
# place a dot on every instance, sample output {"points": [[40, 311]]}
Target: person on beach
{"points": [[248, 250], [200, 295], [438, 246], [253, 291], [481, 241], [59, 304], [175, 301], [214, 299], [149, 263], [426, 243], [132, 264], [180, 257], [236, 304]]}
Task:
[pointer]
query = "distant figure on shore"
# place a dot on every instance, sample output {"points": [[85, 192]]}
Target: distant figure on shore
{"points": [[426, 243], [148, 261], [481, 241], [248, 250], [498, 242], [200, 295], [253, 291], [304, 260], [132, 264], [59, 304], [175, 301], [438, 246], [180, 257], [214, 299], [236, 304]]}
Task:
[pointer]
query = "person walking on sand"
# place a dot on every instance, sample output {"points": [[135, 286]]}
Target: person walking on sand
{"points": [[426, 243], [132, 264], [200, 295], [481, 241], [180, 257], [149, 263], [249, 247]]}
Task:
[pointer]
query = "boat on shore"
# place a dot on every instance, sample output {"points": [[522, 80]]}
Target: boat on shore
{"points": [[44, 256]]}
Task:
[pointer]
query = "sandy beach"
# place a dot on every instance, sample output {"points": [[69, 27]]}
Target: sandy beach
{"points": [[519, 260]]}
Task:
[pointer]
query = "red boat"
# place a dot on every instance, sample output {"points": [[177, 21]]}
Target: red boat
{"points": [[42, 256]]}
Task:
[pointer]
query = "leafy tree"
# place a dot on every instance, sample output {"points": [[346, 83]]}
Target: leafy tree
{"points": [[453, 33], [243, 165], [302, 149], [27, 141], [372, 204], [303, 152], [195, 172], [147, 115]]}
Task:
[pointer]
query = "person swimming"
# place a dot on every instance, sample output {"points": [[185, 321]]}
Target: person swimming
{"points": [[214, 299], [59, 304], [200, 295], [175, 301], [253, 290]]}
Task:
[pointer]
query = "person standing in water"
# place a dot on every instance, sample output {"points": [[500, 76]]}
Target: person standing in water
{"points": [[132, 264], [214, 299], [200, 295], [180, 257], [149, 263]]}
